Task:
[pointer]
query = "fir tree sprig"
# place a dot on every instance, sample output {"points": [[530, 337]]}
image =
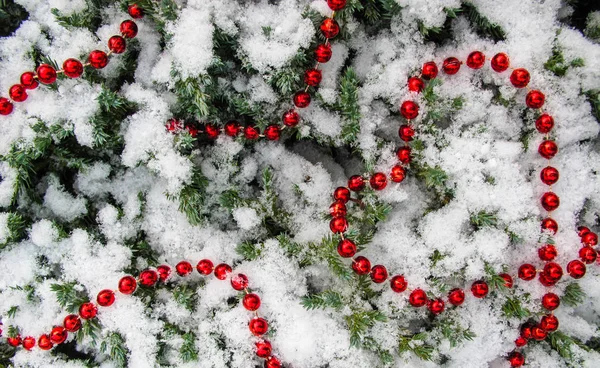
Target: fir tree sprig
{"points": [[348, 105], [563, 344], [360, 322], [512, 308], [325, 299], [573, 295], [89, 328], [191, 197], [114, 345], [481, 24], [69, 295], [188, 351], [483, 219], [249, 250], [453, 332], [327, 251], [417, 345], [186, 295]]}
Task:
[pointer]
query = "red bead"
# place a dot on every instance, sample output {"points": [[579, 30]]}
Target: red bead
{"points": [[456, 296], [313, 77], [128, 28], [479, 289], [346, 248], [258, 326], [58, 335], [45, 343], [415, 84], [263, 349], [29, 81], [379, 274], [397, 175], [549, 323], [378, 181], [538, 333], [135, 11], [361, 265], [527, 272], [409, 110], [508, 280], [547, 252], [406, 132], [239, 282], [72, 323], [526, 331], [73, 68], [205, 267], [342, 194], [302, 99], [546, 280], [148, 278], [451, 65], [500, 62], [590, 239], [222, 270], [544, 123], [272, 362], [28, 342], [98, 59], [520, 78], [127, 285], [330, 28], [403, 154], [338, 225], [232, 128], [336, 4], [192, 130], [576, 269], [46, 74], [587, 255], [516, 359], [417, 298], [323, 53], [553, 271], [550, 224], [430, 70], [549, 175], [476, 60], [173, 125], [251, 132], [273, 132], [582, 230], [212, 131], [550, 201], [17, 93], [436, 306], [105, 298], [535, 99], [6, 107], [520, 342], [164, 272], [550, 301], [356, 183], [184, 268], [88, 310], [117, 44], [398, 283], [14, 341], [337, 209], [291, 118], [251, 302]]}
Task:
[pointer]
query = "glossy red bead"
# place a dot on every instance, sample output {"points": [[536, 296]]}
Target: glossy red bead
{"points": [[550, 201], [212, 131], [451, 65], [251, 132], [409, 109], [456, 296], [397, 175], [105, 298], [538, 333], [128, 28], [520, 78], [127, 285], [258, 326], [549, 175], [500, 62], [547, 280], [14, 341], [222, 270], [29, 81], [338, 225], [549, 323], [232, 128], [330, 28], [550, 301], [508, 280], [272, 362], [251, 302], [535, 99], [46, 74], [436, 306], [429, 70], [341, 194], [291, 118], [44, 342], [526, 331], [205, 267], [263, 348], [72, 323], [553, 271], [403, 154], [135, 11], [239, 282], [6, 107], [516, 359], [88, 310], [406, 132], [520, 342], [549, 224], [415, 84], [398, 283], [476, 60], [336, 4], [302, 99], [417, 298], [590, 239], [582, 230], [356, 183], [361, 265], [117, 44], [323, 53], [72, 68], [587, 255], [164, 272], [378, 181], [576, 269], [338, 209], [58, 335], [312, 77], [148, 278], [17, 93], [379, 274], [273, 132], [527, 272], [547, 252], [346, 248], [98, 59], [28, 342], [184, 268], [479, 289], [544, 123]]}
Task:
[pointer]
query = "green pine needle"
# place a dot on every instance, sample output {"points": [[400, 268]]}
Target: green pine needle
{"points": [[325, 299]]}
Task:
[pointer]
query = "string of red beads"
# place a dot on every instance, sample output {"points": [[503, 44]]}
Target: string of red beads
{"points": [[71, 67]]}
